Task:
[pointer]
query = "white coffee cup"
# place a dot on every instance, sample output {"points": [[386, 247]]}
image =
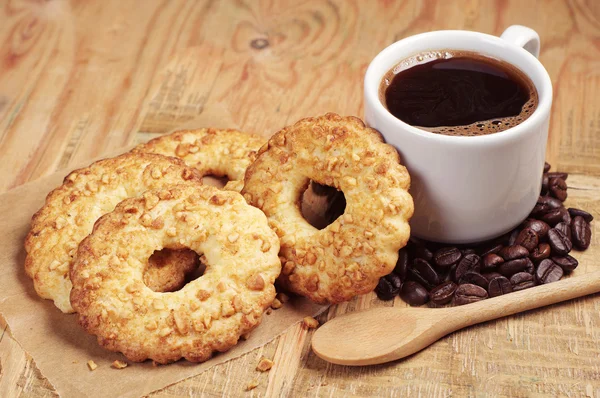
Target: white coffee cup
{"points": [[468, 188]]}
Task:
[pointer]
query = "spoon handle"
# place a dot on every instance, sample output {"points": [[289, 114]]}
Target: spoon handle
{"points": [[524, 300]]}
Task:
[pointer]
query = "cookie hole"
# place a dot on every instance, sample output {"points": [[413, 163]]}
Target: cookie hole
{"points": [[321, 204], [170, 270], [215, 181]]}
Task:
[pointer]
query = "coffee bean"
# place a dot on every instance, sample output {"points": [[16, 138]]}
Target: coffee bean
{"points": [[513, 237], [539, 210], [558, 174], [581, 232], [515, 266], [545, 180], [423, 252], [521, 281], [493, 249], [541, 228], [554, 216], [470, 262], [565, 229], [474, 278], [553, 203], [499, 286], [491, 275], [567, 263], [578, 212], [567, 216], [443, 293], [529, 267], [548, 272], [467, 293], [423, 272], [449, 275], [388, 287], [446, 256], [527, 238], [559, 243], [402, 264], [513, 252], [546, 167], [491, 261], [467, 251], [557, 187], [540, 253], [414, 294]]}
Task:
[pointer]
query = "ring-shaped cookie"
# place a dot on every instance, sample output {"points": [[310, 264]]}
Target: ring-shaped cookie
{"points": [[217, 152], [209, 313], [349, 256], [70, 211]]}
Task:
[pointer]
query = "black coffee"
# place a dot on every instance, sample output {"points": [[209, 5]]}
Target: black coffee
{"points": [[458, 93]]}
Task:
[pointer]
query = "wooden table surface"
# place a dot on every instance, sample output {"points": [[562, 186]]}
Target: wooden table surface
{"points": [[80, 78]]}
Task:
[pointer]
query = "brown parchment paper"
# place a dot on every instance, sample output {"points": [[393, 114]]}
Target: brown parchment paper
{"points": [[61, 349]]}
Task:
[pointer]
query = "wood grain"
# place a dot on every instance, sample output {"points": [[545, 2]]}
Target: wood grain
{"points": [[78, 78]]}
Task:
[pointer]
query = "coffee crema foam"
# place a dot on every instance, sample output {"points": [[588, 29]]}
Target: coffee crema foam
{"points": [[487, 126], [479, 127]]}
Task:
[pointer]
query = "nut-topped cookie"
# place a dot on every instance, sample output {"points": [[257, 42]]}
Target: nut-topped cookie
{"points": [[348, 256]]}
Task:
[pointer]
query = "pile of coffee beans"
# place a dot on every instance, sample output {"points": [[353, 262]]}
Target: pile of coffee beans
{"points": [[534, 253]]}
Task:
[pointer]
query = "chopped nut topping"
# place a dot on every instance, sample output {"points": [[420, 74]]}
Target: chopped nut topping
{"points": [[119, 364], [310, 322], [182, 150], [233, 237], [264, 365], [312, 285], [255, 282], [346, 251], [91, 365], [202, 294], [276, 304], [252, 385], [156, 173], [158, 223], [266, 246], [164, 332], [288, 267], [151, 325], [237, 303], [218, 200], [158, 304], [284, 298]]}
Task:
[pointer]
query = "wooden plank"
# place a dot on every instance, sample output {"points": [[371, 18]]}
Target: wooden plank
{"points": [[80, 78]]}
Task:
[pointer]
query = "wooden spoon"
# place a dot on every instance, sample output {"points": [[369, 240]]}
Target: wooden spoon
{"points": [[385, 334]]}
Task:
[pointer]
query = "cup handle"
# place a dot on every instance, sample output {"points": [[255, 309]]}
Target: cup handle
{"points": [[523, 36]]}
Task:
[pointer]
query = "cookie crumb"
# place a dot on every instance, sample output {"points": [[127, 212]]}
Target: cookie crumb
{"points": [[252, 385], [119, 364], [91, 365], [276, 304], [264, 365], [269, 311], [310, 322], [284, 298]]}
